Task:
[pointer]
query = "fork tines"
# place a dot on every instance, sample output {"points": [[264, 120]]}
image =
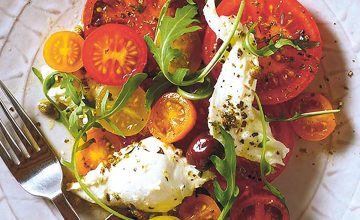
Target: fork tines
{"points": [[16, 152]]}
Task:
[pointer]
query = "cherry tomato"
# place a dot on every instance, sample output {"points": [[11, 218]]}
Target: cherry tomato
{"points": [[199, 207], [130, 119], [189, 45], [288, 72], [112, 53], [258, 204], [141, 16], [102, 144], [172, 117], [315, 128], [202, 110], [63, 51], [200, 150]]}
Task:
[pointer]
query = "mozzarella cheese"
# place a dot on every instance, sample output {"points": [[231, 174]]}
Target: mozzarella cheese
{"points": [[231, 103], [150, 175]]}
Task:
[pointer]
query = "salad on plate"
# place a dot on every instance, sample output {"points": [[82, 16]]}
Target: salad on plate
{"points": [[185, 109]]}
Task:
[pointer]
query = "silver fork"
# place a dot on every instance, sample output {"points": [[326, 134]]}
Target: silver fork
{"points": [[36, 168]]}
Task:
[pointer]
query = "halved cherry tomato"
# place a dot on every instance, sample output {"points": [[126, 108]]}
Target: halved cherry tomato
{"points": [[315, 128], [130, 119], [256, 204], [63, 51], [288, 72], [199, 207], [112, 53], [103, 143], [172, 117], [202, 110], [141, 16]]}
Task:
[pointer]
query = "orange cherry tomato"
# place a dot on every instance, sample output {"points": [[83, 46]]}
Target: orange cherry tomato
{"points": [[172, 117], [114, 52], [199, 207], [315, 128], [102, 145], [63, 51]]}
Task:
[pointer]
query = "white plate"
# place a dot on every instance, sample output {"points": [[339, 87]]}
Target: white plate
{"points": [[321, 180]]}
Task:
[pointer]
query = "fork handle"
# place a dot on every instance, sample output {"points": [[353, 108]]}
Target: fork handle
{"points": [[65, 208]]}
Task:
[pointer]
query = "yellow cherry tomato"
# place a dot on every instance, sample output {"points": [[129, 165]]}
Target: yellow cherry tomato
{"points": [[165, 218], [130, 119], [63, 51]]}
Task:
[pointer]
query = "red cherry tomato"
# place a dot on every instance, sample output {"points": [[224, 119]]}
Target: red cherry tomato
{"points": [[112, 53], [256, 204], [141, 16], [288, 72]]}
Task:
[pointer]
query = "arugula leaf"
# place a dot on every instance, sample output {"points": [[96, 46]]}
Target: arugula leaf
{"points": [[115, 128], [38, 74], [104, 102], [67, 82], [170, 29], [227, 168], [163, 11], [204, 91], [250, 45], [158, 86], [303, 115], [265, 167], [126, 92]]}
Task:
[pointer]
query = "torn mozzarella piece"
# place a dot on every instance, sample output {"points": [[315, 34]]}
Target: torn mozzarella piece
{"points": [[231, 103], [150, 175]]}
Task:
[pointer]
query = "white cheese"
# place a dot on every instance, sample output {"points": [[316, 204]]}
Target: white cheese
{"points": [[231, 103], [150, 175]]}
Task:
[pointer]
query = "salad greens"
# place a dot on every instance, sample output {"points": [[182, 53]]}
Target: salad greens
{"points": [[250, 45], [227, 168], [71, 115]]}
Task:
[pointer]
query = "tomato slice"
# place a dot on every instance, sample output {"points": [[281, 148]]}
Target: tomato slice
{"points": [[315, 128], [113, 53], [63, 51], [258, 204], [132, 118], [288, 72], [172, 117], [199, 207]]}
